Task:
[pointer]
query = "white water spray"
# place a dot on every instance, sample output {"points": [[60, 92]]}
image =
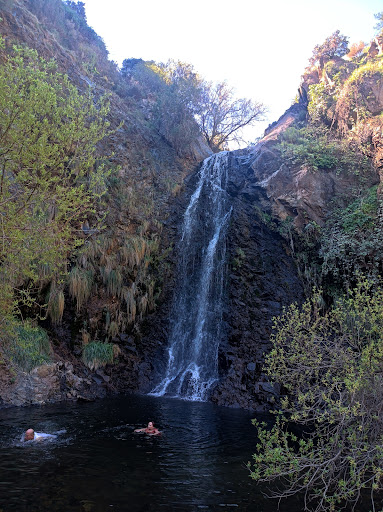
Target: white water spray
{"points": [[196, 315]]}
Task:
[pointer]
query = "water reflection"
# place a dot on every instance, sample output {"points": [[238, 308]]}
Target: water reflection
{"points": [[196, 478], [98, 464]]}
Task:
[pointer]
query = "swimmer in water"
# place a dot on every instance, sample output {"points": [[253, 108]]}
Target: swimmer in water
{"points": [[31, 435], [150, 429]]}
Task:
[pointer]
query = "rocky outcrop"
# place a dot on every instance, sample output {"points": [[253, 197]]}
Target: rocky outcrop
{"points": [[52, 383], [295, 190]]}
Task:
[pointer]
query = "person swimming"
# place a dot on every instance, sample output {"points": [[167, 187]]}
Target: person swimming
{"points": [[31, 435], [150, 429]]}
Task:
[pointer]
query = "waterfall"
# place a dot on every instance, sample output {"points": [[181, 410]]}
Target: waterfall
{"points": [[196, 317]]}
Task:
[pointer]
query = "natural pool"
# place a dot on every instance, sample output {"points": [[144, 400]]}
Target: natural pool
{"points": [[98, 464]]}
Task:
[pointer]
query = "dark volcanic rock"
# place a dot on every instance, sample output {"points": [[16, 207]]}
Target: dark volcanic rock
{"points": [[262, 279]]}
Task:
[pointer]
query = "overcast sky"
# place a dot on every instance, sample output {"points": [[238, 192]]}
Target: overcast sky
{"points": [[259, 48]]}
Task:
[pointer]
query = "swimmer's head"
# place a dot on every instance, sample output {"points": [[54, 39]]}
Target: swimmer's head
{"points": [[29, 435], [150, 424]]}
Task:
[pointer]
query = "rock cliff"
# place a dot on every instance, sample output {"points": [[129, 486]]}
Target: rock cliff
{"points": [[284, 192]]}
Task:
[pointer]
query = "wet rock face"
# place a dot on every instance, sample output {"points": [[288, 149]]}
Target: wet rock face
{"points": [[262, 279]]}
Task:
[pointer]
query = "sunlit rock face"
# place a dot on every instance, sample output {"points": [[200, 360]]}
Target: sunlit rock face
{"points": [[296, 191]]}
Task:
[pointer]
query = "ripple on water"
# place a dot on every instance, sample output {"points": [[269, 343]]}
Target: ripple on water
{"points": [[97, 463]]}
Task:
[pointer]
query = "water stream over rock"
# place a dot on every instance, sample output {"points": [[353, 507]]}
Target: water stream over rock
{"points": [[196, 317]]}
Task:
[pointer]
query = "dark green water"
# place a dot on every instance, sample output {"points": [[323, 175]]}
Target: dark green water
{"points": [[98, 464]]}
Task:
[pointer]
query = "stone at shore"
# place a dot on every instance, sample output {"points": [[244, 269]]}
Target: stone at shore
{"points": [[50, 383]]}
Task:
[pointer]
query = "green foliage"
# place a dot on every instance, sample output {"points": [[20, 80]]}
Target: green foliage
{"points": [[322, 103], [97, 354], [324, 95], [368, 70], [25, 346], [359, 98], [304, 147], [379, 26], [312, 146], [352, 241], [335, 45], [48, 179], [338, 72], [173, 90], [330, 366]]}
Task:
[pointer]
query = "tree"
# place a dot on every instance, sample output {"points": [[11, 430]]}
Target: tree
{"points": [[128, 66], [185, 83], [187, 105], [170, 94], [335, 45], [178, 104], [78, 7], [330, 366], [379, 26], [49, 183], [222, 117]]}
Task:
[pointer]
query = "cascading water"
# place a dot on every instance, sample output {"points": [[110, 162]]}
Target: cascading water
{"points": [[196, 316]]}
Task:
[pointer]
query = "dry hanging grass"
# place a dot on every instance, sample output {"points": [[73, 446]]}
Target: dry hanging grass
{"points": [[80, 285]]}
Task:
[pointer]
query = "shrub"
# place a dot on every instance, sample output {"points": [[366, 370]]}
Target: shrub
{"points": [[313, 147], [322, 103], [331, 367], [49, 177], [359, 99], [352, 241], [27, 346]]}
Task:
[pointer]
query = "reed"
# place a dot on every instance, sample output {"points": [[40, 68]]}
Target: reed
{"points": [[114, 283]]}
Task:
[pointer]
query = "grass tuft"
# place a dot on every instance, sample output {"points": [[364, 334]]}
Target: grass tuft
{"points": [[97, 354]]}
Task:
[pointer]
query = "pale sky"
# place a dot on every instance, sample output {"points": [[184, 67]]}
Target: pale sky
{"points": [[259, 47]]}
